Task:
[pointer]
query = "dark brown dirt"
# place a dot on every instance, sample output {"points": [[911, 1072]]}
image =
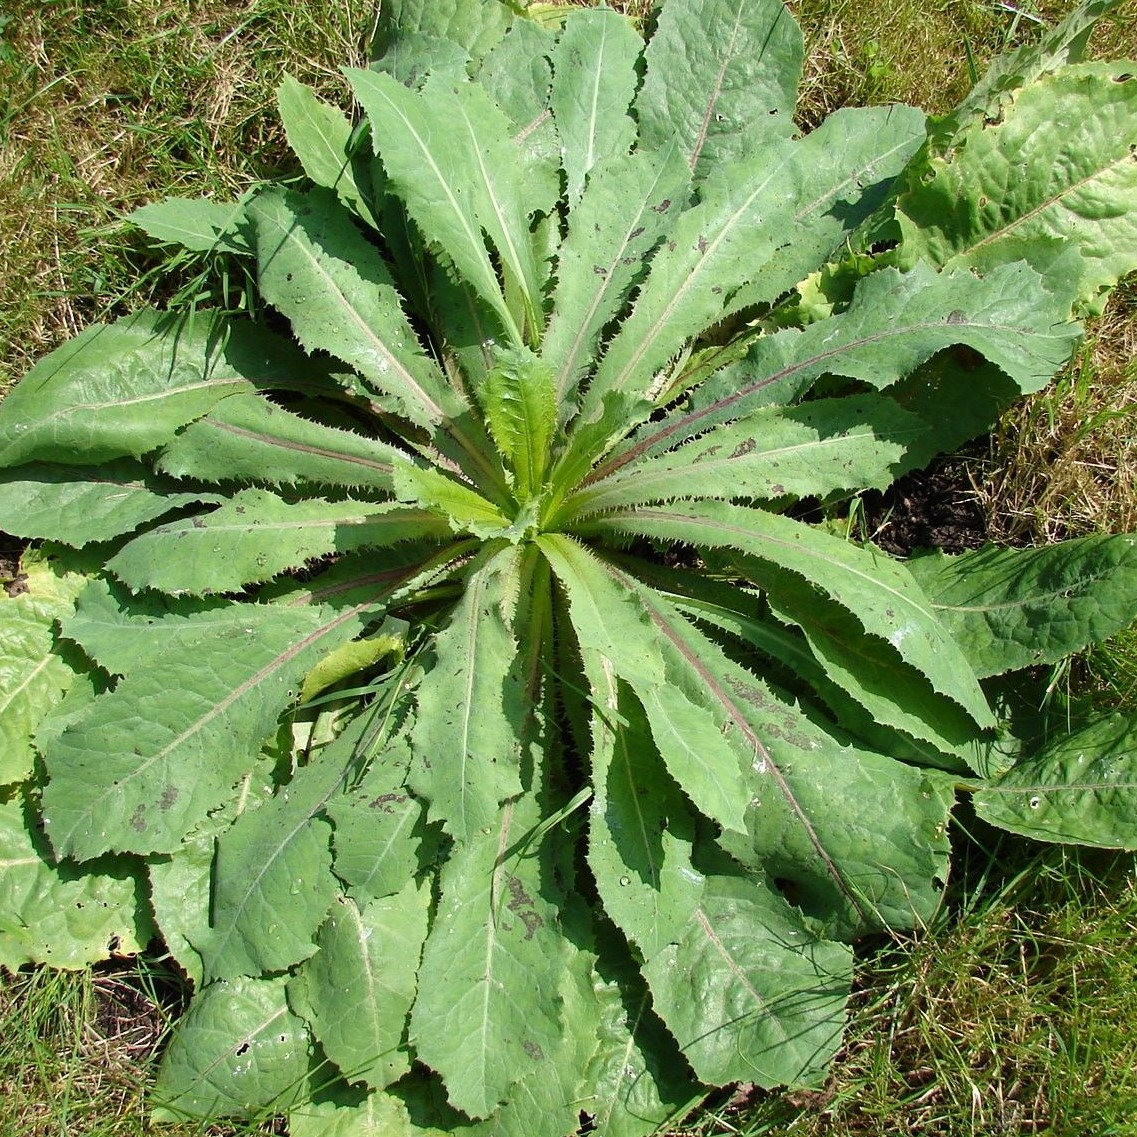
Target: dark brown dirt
{"points": [[936, 508]]}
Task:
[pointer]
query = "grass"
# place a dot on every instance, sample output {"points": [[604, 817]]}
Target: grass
{"points": [[106, 106], [1013, 1013]]}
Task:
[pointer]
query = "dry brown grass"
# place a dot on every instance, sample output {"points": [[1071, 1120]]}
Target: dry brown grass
{"points": [[1064, 462]]}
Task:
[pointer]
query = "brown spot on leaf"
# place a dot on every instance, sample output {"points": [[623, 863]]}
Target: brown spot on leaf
{"points": [[384, 802], [520, 903]]}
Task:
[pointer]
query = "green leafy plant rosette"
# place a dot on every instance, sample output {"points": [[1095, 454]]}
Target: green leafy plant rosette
{"points": [[452, 685]]}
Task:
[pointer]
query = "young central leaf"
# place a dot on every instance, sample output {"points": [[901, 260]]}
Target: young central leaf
{"points": [[518, 397]]}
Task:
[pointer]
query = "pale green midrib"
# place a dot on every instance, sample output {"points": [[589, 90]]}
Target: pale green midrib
{"points": [[716, 88], [237, 1043], [473, 627], [649, 337], [149, 397], [433, 411], [1051, 788], [590, 157], [1070, 592], [514, 253], [564, 376], [218, 947], [491, 938], [27, 681], [709, 931]]}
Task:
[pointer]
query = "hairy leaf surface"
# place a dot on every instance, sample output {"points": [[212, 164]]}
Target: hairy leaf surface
{"points": [[748, 991], [60, 914], [1080, 788], [985, 206], [1012, 608], [486, 1012], [200, 719], [373, 950], [238, 1047], [721, 78], [33, 677], [255, 535], [121, 389], [594, 79]]}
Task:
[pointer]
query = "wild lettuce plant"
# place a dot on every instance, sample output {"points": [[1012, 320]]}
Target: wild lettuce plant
{"points": [[444, 666]]}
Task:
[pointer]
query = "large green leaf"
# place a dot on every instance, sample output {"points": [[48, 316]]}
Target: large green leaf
{"points": [[761, 225], [471, 706], [352, 1113], [124, 633], [122, 389], [381, 838], [594, 78], [504, 193], [1011, 608], [1080, 788], [722, 77], [60, 914], [79, 505], [317, 268], [814, 804], [33, 675], [486, 1012], [430, 165], [868, 669], [1034, 181], [476, 25], [712, 249], [896, 322], [322, 137], [626, 208], [197, 224], [238, 1049], [814, 448], [199, 720], [851, 162], [520, 403], [255, 535], [641, 828], [876, 589], [273, 877], [1063, 43], [683, 701], [637, 1074], [247, 438], [750, 992], [374, 951]]}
